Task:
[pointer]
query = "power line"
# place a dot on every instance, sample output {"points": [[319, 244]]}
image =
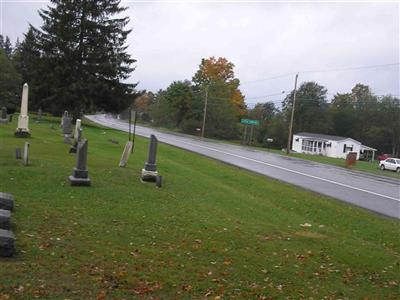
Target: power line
{"points": [[324, 71], [350, 68]]}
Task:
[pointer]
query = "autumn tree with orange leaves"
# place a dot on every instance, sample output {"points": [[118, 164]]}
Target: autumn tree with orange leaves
{"points": [[219, 71]]}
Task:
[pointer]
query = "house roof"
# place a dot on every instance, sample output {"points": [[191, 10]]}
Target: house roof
{"points": [[364, 147], [324, 136]]}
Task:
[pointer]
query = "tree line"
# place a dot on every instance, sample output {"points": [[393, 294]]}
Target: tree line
{"points": [[359, 114], [76, 60]]}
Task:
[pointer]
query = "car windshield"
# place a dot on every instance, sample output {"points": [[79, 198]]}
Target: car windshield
{"points": [[397, 161]]}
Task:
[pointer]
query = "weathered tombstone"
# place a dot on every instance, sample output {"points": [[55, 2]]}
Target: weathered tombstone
{"points": [[77, 136], [80, 174], [66, 124], [5, 219], [7, 243], [18, 154], [25, 160], [6, 201], [39, 114], [23, 119], [149, 172], [125, 155], [158, 181], [3, 117]]}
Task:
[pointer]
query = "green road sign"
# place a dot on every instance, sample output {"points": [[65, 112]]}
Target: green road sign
{"points": [[250, 122]]}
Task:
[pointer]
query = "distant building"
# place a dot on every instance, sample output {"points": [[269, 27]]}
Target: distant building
{"points": [[330, 145]]}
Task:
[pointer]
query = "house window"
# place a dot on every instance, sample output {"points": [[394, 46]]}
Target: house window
{"points": [[344, 148], [307, 146]]}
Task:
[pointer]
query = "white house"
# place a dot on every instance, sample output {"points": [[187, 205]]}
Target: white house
{"points": [[330, 145]]}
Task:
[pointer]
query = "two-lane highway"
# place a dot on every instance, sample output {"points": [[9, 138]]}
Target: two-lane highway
{"points": [[376, 193]]}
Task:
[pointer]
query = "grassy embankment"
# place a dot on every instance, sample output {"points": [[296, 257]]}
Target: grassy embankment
{"points": [[364, 166], [211, 231]]}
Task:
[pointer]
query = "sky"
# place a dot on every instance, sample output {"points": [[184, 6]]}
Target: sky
{"points": [[332, 43]]}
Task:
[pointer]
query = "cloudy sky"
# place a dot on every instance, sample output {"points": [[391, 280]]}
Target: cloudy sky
{"points": [[326, 42]]}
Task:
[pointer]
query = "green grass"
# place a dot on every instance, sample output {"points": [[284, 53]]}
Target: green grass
{"points": [[364, 166], [211, 231]]}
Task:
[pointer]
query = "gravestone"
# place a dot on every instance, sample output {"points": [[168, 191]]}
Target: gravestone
{"points": [[6, 201], [149, 172], [66, 124], [25, 160], [7, 243], [23, 118], [77, 136], [158, 181], [39, 114], [125, 155], [3, 116], [18, 154], [5, 219], [80, 174]]}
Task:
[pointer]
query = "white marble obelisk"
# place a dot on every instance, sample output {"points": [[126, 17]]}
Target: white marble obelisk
{"points": [[23, 119]]}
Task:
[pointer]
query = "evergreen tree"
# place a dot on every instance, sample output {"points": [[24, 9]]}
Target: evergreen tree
{"points": [[84, 56], [8, 47], [5, 44], [10, 86], [27, 61]]}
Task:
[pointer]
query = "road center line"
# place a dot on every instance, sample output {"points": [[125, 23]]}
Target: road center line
{"points": [[288, 170]]}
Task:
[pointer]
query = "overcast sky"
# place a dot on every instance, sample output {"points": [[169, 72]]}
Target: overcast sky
{"points": [[263, 40]]}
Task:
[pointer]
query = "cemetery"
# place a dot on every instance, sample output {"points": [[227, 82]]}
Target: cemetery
{"points": [[211, 231]]}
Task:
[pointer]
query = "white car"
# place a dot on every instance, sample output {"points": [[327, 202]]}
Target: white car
{"points": [[390, 164]]}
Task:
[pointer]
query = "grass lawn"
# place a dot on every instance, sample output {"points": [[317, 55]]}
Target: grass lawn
{"points": [[370, 167], [212, 231]]}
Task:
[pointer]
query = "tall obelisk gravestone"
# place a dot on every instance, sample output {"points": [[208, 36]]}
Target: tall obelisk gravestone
{"points": [[23, 119], [80, 174]]}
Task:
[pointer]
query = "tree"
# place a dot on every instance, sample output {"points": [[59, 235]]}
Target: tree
{"points": [[343, 115], [8, 47], [311, 111], [10, 86], [178, 107], [27, 61], [365, 106], [84, 56], [211, 71], [264, 112], [142, 105], [389, 120]]}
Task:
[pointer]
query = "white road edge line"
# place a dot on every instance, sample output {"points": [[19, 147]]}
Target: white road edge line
{"points": [[292, 171]]}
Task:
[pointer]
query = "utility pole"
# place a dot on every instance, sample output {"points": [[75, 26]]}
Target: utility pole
{"points": [[292, 116], [205, 112], [130, 120], [134, 131]]}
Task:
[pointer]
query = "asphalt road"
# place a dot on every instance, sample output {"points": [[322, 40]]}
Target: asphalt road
{"points": [[376, 193]]}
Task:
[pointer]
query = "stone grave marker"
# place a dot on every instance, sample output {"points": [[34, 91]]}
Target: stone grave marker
{"points": [[23, 118], [3, 116], [39, 115], [80, 174], [66, 124], [125, 155], [25, 159], [77, 136], [6, 201], [5, 219], [18, 154], [7, 243], [149, 172]]}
